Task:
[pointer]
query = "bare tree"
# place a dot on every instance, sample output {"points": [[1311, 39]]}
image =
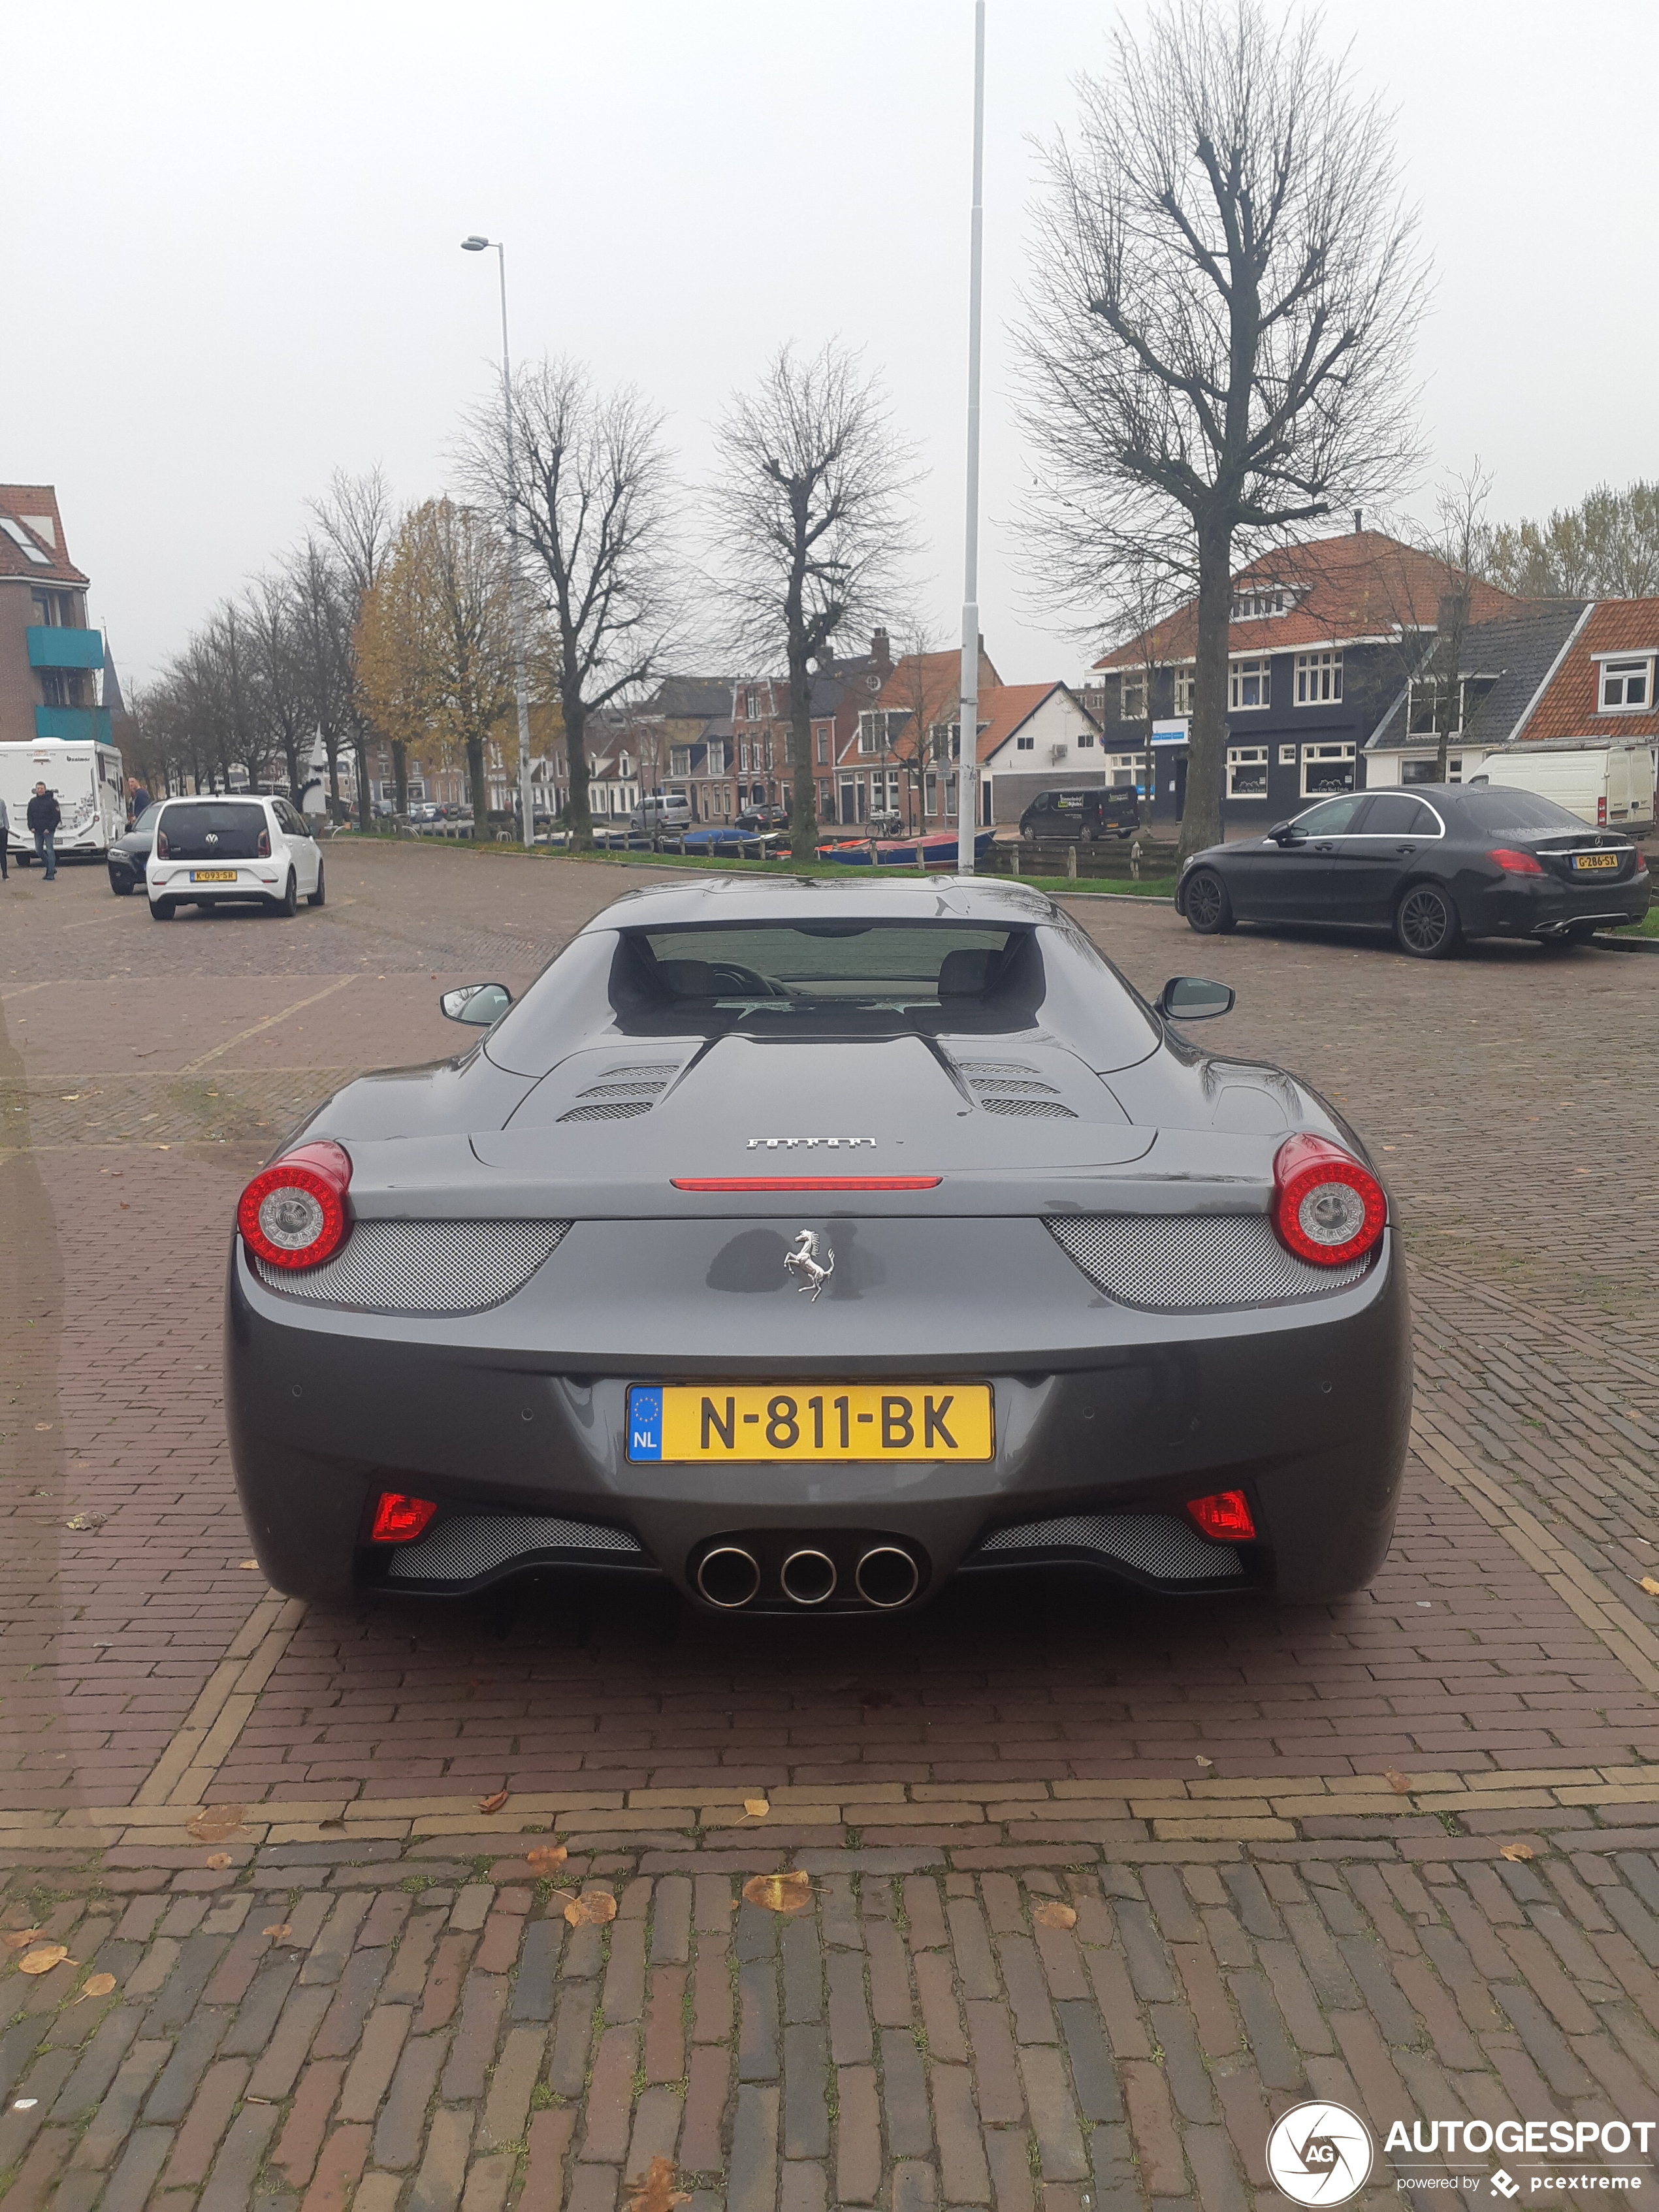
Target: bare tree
{"points": [[1460, 550], [812, 499], [323, 616], [593, 495], [277, 658], [358, 517], [1226, 292], [1607, 547]]}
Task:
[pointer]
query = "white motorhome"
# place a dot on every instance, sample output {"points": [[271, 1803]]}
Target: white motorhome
{"points": [[86, 780], [1606, 781]]}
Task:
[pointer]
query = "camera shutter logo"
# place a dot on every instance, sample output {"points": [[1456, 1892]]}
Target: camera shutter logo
{"points": [[1320, 2153]]}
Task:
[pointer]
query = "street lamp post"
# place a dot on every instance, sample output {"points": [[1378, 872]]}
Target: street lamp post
{"points": [[968, 720], [521, 682]]}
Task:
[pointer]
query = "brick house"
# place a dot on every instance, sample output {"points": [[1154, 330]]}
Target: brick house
{"points": [[49, 657], [1602, 682], [1325, 639]]}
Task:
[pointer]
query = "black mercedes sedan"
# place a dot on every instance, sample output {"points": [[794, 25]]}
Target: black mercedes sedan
{"points": [[128, 856], [1435, 863], [806, 1244]]}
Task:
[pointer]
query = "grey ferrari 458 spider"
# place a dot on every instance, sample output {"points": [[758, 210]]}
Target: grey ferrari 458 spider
{"points": [[806, 1244]]}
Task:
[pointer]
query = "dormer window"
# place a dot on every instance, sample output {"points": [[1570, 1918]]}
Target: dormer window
{"points": [[1626, 685], [1260, 602]]}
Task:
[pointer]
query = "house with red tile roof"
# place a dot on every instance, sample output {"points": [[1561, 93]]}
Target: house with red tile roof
{"points": [[49, 659], [1602, 685], [1324, 640]]}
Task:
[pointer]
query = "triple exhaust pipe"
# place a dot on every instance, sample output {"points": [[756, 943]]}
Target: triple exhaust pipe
{"points": [[885, 1577]]}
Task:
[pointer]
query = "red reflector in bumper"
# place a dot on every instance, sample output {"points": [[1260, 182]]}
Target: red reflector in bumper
{"points": [[806, 1182], [399, 1519], [1225, 1514]]}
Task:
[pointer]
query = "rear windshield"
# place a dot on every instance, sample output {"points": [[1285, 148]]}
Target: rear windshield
{"points": [[780, 969], [1496, 808], [199, 830]]}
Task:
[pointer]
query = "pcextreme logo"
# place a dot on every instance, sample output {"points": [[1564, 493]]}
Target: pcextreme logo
{"points": [[1320, 2153]]}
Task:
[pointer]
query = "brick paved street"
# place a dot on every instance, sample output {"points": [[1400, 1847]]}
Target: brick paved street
{"points": [[1279, 1829]]}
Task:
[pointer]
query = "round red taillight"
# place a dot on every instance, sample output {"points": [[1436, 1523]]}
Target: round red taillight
{"points": [[293, 1214], [1327, 1208]]}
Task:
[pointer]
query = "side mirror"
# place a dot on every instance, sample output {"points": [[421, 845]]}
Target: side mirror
{"points": [[1192, 998], [1283, 833], [480, 1006]]}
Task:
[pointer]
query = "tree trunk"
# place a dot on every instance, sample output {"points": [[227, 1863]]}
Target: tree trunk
{"points": [[365, 810], [578, 812], [400, 775], [478, 788], [1206, 751], [803, 800]]}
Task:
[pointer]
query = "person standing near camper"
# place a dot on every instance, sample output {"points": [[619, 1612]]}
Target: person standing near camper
{"points": [[5, 838], [44, 817], [137, 800]]}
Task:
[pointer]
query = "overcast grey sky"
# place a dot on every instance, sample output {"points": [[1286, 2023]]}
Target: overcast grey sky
{"points": [[231, 243]]}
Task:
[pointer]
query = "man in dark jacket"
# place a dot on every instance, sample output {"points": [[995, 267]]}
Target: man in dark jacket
{"points": [[44, 817]]}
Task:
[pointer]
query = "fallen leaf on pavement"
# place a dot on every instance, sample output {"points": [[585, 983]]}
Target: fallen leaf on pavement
{"points": [[213, 1823], [334, 1821], [655, 2191], [19, 1939], [592, 1910], [85, 1521], [756, 1808], [1399, 1782], [1651, 1586], [97, 1985], [546, 1857], [1199, 1759], [1051, 1913], [779, 1892], [279, 1931], [218, 1858], [493, 1802], [249, 1566], [1516, 1851], [42, 1960]]}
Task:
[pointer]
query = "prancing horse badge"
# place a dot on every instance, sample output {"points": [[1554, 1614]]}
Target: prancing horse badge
{"points": [[804, 1263]]}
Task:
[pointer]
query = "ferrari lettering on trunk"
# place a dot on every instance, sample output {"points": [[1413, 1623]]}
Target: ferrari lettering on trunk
{"points": [[810, 1421]]}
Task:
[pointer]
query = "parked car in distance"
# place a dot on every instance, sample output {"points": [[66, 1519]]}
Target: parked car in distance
{"points": [[1081, 816], [127, 856], [763, 821], [1606, 781], [1434, 863], [660, 810], [229, 851]]}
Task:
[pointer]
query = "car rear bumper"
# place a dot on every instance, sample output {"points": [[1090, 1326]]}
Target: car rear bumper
{"points": [[1305, 1409], [262, 880], [1529, 906]]}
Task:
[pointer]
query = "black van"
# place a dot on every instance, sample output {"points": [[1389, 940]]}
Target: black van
{"points": [[1081, 816]]}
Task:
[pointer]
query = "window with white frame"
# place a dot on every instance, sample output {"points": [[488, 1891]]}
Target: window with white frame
{"points": [[1248, 685], [679, 760], [1327, 769], [1318, 678], [1257, 601], [1186, 689], [1626, 686], [719, 760], [872, 731], [1134, 694], [823, 737], [1287, 756], [1247, 771]]}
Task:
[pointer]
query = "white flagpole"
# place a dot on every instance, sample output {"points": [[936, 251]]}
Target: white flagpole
{"points": [[968, 763]]}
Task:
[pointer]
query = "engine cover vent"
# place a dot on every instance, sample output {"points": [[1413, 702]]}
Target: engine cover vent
{"points": [[1013, 1086], [622, 1092]]}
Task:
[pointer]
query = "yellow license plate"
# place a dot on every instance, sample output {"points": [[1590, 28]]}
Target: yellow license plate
{"points": [[1583, 862], [213, 875], [811, 1421]]}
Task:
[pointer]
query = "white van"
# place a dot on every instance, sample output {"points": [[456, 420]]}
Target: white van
{"points": [[85, 780], [662, 809], [1606, 781]]}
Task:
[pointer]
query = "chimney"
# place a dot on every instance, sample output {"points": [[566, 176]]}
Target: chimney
{"points": [[880, 652], [1359, 520]]}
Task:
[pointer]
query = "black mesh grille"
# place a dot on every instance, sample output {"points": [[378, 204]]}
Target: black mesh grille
{"points": [[1172, 1263], [424, 1267], [1050, 1107], [616, 1110], [1153, 1544], [475, 1544]]}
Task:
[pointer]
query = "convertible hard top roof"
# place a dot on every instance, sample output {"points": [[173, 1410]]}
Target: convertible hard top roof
{"points": [[722, 899]]}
